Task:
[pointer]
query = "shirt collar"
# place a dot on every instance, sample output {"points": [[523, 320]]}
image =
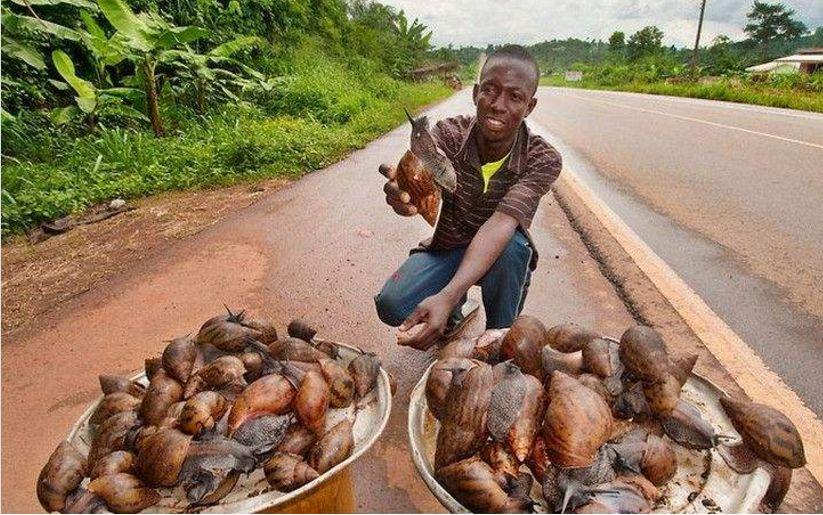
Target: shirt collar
{"points": [[469, 153]]}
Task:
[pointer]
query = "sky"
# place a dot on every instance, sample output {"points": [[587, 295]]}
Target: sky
{"points": [[480, 22]]}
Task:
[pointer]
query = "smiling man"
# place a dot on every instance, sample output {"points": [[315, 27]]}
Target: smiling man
{"points": [[481, 237]]}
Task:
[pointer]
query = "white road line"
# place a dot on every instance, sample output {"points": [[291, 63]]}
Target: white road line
{"points": [[698, 120], [702, 102]]}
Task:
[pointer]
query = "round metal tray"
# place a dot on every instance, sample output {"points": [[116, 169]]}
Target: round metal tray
{"points": [[252, 492], [703, 482]]}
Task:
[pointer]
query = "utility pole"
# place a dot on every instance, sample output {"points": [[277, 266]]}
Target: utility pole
{"points": [[695, 57]]}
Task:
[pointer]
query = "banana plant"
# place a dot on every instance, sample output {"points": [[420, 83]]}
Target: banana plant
{"points": [[212, 73], [18, 28], [90, 100], [149, 37]]}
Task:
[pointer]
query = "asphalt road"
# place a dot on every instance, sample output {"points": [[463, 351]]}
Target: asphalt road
{"points": [[318, 249], [729, 195]]}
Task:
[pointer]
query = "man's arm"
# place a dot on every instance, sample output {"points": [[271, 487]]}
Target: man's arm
{"points": [[433, 312]]}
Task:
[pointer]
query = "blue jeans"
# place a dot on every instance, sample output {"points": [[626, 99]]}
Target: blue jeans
{"points": [[425, 273]]}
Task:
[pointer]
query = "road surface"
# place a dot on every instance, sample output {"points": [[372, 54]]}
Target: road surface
{"points": [[318, 249], [729, 195]]}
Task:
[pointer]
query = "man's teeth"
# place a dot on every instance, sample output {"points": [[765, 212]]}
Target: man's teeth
{"points": [[494, 123]]}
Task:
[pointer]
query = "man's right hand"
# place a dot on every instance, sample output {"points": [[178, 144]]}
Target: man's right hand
{"points": [[395, 197]]}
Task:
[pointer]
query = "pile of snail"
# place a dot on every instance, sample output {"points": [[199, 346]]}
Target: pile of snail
{"points": [[594, 421], [219, 404]]}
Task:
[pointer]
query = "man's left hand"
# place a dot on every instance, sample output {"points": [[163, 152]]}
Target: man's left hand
{"points": [[432, 316]]}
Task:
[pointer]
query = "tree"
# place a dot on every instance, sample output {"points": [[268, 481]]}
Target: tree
{"points": [[769, 22], [150, 39], [644, 42], [617, 42], [720, 56]]}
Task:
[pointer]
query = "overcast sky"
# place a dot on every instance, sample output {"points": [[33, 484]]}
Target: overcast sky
{"points": [[479, 22]]}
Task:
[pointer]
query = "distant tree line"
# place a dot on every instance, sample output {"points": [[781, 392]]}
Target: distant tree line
{"points": [[773, 31]]}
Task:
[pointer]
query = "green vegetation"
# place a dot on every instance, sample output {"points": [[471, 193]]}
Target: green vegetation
{"points": [[640, 62], [111, 99], [779, 91]]}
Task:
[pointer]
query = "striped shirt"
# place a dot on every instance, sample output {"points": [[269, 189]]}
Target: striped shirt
{"points": [[516, 189]]}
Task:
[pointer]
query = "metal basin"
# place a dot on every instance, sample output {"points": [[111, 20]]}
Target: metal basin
{"points": [[703, 483], [252, 492]]}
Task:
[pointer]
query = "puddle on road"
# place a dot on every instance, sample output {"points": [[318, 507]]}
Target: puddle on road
{"points": [[756, 309]]}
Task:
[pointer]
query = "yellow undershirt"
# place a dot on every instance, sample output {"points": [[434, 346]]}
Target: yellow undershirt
{"points": [[489, 169]]}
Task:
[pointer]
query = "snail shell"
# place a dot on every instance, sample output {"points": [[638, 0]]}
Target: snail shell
{"points": [[439, 380], [63, 472], [568, 337], [659, 462], [767, 432], [301, 329], [577, 422], [295, 349], [161, 455], [312, 401], [643, 353], [474, 484], [662, 395], [363, 370], [271, 394], [178, 358], [516, 410], [523, 343], [113, 463], [124, 493], [228, 335], [682, 366], [416, 180], [111, 435], [501, 461], [113, 383], [112, 404], [163, 391], [341, 384], [201, 412], [334, 447], [222, 371], [266, 328], [298, 440], [600, 357], [460, 348], [287, 472], [463, 430]]}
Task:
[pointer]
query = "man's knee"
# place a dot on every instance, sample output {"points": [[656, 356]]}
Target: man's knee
{"points": [[389, 307]]}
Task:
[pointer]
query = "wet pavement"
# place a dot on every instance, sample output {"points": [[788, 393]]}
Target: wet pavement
{"points": [[318, 249]]}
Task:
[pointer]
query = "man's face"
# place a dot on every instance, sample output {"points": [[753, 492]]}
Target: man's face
{"points": [[504, 97]]}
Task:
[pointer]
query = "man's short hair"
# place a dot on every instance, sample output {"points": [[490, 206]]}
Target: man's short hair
{"points": [[517, 52]]}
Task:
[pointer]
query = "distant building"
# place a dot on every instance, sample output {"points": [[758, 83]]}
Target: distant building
{"points": [[774, 67], [807, 60]]}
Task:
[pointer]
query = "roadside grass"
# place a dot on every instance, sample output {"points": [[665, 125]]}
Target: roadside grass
{"points": [[745, 93], [321, 111]]}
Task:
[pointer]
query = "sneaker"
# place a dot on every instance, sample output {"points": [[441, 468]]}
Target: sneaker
{"points": [[461, 318]]}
